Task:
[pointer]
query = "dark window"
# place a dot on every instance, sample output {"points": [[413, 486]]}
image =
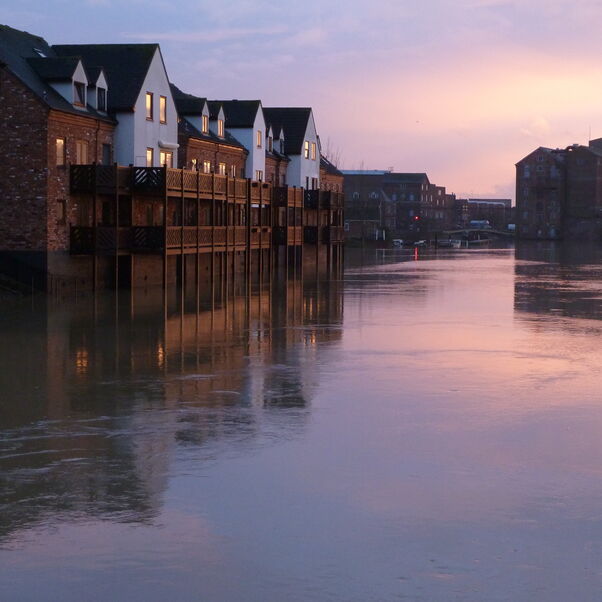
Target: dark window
{"points": [[61, 211], [102, 99], [79, 94], [106, 154]]}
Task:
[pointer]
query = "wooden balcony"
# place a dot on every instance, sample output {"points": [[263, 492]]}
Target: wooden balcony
{"points": [[162, 181], [285, 196], [323, 199], [86, 240], [333, 235]]}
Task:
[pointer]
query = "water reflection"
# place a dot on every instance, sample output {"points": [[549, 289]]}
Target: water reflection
{"points": [[554, 280], [99, 394]]}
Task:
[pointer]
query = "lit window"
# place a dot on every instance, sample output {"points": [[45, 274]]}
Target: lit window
{"points": [[232, 171], [60, 151], [259, 139], [81, 152], [150, 157], [166, 158], [220, 128], [101, 99], [193, 164], [306, 149], [313, 151], [222, 169], [205, 124], [206, 166], [162, 109], [149, 106], [79, 94], [258, 175]]}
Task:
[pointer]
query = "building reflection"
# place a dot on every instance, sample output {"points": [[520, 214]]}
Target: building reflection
{"points": [[100, 393], [560, 280]]}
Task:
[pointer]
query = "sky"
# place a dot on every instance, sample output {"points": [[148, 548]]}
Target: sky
{"points": [[460, 89]]}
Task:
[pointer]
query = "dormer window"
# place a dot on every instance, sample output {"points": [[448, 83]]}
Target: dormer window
{"points": [[259, 139], [101, 99], [205, 124], [79, 94], [39, 53], [220, 128], [270, 144]]}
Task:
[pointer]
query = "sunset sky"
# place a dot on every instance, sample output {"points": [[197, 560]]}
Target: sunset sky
{"points": [[461, 89]]}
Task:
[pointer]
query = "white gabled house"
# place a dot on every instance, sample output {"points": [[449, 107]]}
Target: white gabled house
{"points": [[245, 121], [138, 95], [299, 137]]}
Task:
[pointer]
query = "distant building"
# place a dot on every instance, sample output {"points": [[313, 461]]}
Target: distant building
{"points": [[496, 211], [559, 193], [404, 204]]}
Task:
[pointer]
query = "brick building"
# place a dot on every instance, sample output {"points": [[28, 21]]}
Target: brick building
{"points": [[91, 195], [405, 205], [54, 114], [498, 212]]}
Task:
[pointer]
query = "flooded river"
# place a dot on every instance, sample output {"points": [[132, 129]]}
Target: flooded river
{"points": [[424, 427]]}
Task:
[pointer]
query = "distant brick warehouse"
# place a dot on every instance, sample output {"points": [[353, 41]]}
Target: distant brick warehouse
{"points": [[559, 193], [401, 204]]}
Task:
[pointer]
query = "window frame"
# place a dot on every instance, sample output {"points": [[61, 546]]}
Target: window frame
{"points": [[162, 109], [220, 128], [206, 166], [61, 158], [314, 149], [81, 152], [150, 152], [79, 94], [259, 140], [221, 169], [204, 124], [259, 175], [149, 106], [101, 93], [164, 154], [306, 149]]}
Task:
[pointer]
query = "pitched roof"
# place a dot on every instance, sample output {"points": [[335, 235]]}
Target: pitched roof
{"points": [[16, 49], [293, 121], [125, 66], [329, 167], [240, 113], [214, 109], [187, 104], [187, 129], [54, 68]]}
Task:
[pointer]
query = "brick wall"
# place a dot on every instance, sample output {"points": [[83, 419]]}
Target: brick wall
{"points": [[204, 150], [72, 128], [23, 169]]}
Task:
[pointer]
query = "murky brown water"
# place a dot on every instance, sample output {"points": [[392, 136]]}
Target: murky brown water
{"points": [[420, 430]]}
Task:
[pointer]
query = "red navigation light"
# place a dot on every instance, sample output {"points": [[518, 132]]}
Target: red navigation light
{"points": [[416, 218]]}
